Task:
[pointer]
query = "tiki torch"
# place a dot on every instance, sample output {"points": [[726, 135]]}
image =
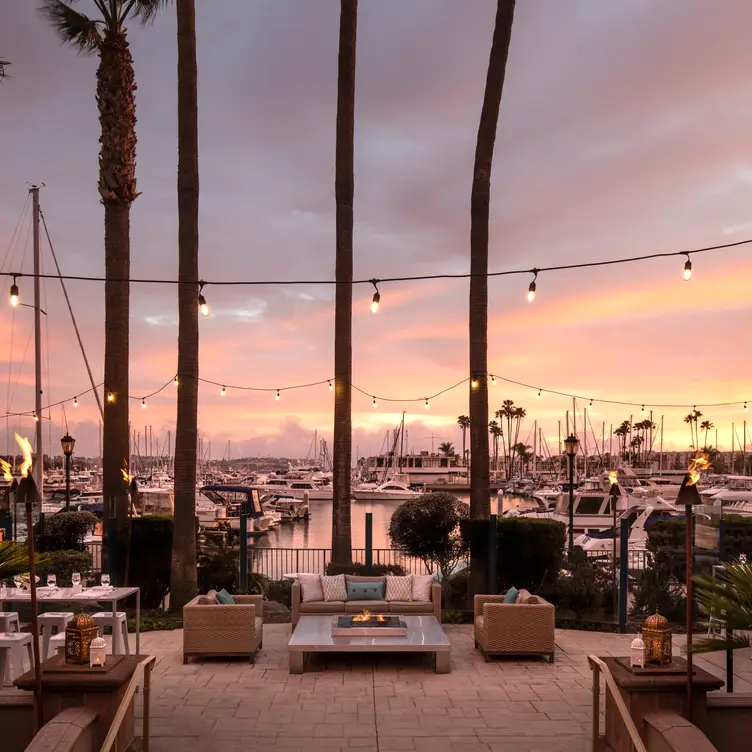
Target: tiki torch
{"points": [[28, 494], [614, 493], [690, 496]]}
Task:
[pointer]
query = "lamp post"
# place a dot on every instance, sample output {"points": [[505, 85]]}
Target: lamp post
{"points": [[67, 442], [571, 445]]}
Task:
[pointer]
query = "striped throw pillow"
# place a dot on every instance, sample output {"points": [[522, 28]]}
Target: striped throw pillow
{"points": [[399, 588], [334, 587]]}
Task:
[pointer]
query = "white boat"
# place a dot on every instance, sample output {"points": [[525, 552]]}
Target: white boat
{"points": [[392, 490], [297, 488], [237, 500], [287, 507]]}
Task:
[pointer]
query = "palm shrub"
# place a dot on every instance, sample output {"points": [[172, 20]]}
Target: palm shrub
{"points": [[427, 527], [14, 559], [729, 596]]}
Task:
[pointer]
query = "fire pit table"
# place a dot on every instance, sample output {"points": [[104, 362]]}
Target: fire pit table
{"points": [[398, 634]]}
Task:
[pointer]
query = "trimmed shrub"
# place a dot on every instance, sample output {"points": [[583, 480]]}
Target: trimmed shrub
{"points": [[150, 559], [64, 531], [63, 564], [357, 568], [659, 590], [427, 527], [279, 591], [218, 566], [586, 591]]}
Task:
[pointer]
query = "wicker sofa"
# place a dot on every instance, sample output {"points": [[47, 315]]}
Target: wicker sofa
{"points": [[218, 630], [354, 607], [514, 628]]}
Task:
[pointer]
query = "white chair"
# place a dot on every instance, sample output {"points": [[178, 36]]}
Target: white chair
{"points": [[7, 620], [57, 641], [12, 646], [51, 623], [119, 626]]}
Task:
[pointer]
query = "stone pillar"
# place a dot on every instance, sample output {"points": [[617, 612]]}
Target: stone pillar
{"points": [[653, 690]]}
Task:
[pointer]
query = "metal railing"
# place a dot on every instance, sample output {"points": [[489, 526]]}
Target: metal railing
{"points": [[144, 667], [637, 561], [598, 667], [274, 563]]}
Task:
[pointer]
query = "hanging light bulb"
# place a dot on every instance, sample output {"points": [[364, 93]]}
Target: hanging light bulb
{"points": [[474, 382], [331, 386], [374, 403], [426, 406], [694, 411], [14, 293], [591, 403], [493, 380], [531, 289], [203, 306], [643, 410], [176, 381], [75, 402], [540, 393], [745, 407], [277, 395], [687, 269], [111, 397], [36, 417], [143, 404], [223, 392], [376, 297]]}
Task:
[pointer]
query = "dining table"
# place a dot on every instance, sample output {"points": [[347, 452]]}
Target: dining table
{"points": [[105, 595]]}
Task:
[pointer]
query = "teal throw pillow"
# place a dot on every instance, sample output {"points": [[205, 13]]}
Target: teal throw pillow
{"points": [[224, 598], [365, 591], [510, 597]]}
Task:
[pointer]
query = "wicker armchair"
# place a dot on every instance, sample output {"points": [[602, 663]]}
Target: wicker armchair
{"points": [[218, 630], [514, 628]]}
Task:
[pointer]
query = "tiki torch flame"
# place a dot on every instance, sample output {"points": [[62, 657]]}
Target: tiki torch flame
{"points": [[126, 477], [697, 466], [613, 477], [364, 616], [7, 475], [25, 447]]}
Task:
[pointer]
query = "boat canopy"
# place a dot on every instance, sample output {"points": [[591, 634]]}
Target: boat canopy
{"points": [[247, 497]]}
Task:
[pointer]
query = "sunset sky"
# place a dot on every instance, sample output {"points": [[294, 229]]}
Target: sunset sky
{"points": [[625, 129]]}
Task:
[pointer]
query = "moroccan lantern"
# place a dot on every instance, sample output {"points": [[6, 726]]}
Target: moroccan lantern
{"points": [[79, 633], [97, 652], [656, 634], [637, 653]]}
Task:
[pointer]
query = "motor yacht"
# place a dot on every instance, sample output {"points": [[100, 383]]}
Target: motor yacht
{"points": [[392, 490], [289, 508]]}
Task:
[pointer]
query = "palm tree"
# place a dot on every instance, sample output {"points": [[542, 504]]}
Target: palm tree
{"points": [[622, 432], [730, 594], [706, 426], [183, 572], [692, 419], [3, 72], [495, 430], [480, 199], [344, 189], [14, 559], [447, 448], [106, 36], [463, 421]]}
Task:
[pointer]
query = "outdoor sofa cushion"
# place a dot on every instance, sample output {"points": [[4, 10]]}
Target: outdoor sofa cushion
{"points": [[365, 591]]}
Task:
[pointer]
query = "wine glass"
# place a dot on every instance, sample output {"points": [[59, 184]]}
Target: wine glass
{"points": [[76, 579], [105, 580], [17, 581], [51, 581]]}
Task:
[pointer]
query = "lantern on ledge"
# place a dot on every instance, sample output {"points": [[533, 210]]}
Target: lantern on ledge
{"points": [[637, 653], [656, 635], [79, 633], [97, 652]]}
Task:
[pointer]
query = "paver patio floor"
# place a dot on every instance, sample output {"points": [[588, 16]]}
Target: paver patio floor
{"points": [[384, 702]]}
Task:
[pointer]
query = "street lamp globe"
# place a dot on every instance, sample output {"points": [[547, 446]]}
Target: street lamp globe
{"points": [[571, 444], [67, 442]]}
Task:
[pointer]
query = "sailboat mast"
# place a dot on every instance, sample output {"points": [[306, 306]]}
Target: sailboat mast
{"points": [[38, 467]]}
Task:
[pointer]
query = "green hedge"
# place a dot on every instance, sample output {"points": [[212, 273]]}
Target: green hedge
{"points": [[64, 531], [63, 564], [530, 551]]}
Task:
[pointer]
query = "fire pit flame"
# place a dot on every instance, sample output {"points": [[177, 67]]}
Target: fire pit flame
{"points": [[365, 615], [380, 618]]}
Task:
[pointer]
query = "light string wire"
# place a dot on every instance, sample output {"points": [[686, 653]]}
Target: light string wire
{"points": [[379, 280], [425, 398]]}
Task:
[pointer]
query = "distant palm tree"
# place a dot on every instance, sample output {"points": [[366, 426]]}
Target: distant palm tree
{"points": [[495, 430], [624, 429], [183, 583], [692, 419], [523, 452], [480, 200], [447, 448], [106, 36], [344, 189], [706, 426], [463, 421]]}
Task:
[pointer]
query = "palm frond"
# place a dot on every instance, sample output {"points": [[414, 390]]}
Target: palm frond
{"points": [[72, 27], [14, 559], [3, 73], [713, 644], [145, 10]]}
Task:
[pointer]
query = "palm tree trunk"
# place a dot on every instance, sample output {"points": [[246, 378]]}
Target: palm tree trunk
{"points": [[183, 571], [116, 434], [344, 189]]}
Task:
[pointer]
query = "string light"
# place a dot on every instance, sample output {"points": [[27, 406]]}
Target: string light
{"points": [[75, 402], [591, 402], [426, 403], [474, 382], [643, 410], [694, 411], [110, 397], [745, 407], [14, 293], [688, 269], [176, 381], [143, 404], [376, 297], [540, 393], [531, 289], [374, 405], [36, 417], [223, 392], [331, 386], [493, 380], [277, 395], [203, 306]]}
